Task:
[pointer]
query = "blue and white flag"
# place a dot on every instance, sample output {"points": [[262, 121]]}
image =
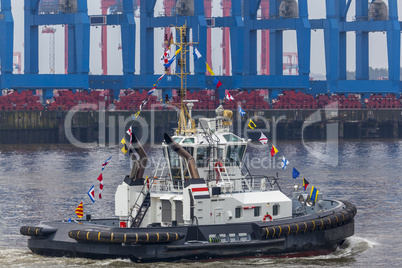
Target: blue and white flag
{"points": [[91, 193], [197, 54], [285, 162], [152, 90], [241, 111], [167, 65], [105, 164], [295, 173]]}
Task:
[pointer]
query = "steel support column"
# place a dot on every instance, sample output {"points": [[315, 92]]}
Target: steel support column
{"points": [[332, 44], [249, 54], [362, 42], [200, 33], [127, 26], [275, 42], [6, 42], [236, 45], [394, 45], [146, 37], [303, 31], [31, 41]]}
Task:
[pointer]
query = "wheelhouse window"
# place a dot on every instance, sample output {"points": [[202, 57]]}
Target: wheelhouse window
{"points": [[177, 139], [174, 158], [202, 156], [188, 140], [257, 211], [235, 154], [231, 137]]}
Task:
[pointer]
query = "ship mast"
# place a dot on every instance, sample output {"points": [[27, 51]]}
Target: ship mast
{"points": [[186, 124]]}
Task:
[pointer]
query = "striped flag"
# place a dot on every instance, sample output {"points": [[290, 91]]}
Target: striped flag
{"points": [[314, 193], [100, 179], [152, 90], [80, 210], [106, 162]]}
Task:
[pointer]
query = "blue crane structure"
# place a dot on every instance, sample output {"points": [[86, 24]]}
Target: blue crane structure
{"points": [[243, 24]]}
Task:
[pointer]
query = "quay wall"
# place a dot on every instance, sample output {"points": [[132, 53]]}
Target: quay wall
{"points": [[108, 127]]}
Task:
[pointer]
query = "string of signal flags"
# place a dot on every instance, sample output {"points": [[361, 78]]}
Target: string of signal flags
{"points": [[79, 211], [166, 60]]}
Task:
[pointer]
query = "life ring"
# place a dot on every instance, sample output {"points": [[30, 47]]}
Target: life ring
{"points": [[267, 216], [218, 170]]}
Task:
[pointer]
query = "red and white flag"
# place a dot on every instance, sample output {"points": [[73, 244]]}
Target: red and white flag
{"points": [[130, 133], [165, 57], [263, 139], [229, 97], [100, 178]]}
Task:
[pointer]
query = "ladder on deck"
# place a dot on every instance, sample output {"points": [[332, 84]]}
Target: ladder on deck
{"points": [[224, 176], [141, 208]]}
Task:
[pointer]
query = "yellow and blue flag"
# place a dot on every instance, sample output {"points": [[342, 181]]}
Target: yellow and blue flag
{"points": [[124, 150], [314, 193], [209, 69], [251, 124]]}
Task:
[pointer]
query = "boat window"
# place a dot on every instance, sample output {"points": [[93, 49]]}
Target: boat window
{"points": [[257, 211], [174, 158], [190, 150], [275, 209], [235, 154], [188, 140], [202, 156], [177, 139], [238, 212], [231, 137]]}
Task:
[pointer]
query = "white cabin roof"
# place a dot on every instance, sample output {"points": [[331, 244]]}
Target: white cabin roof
{"points": [[260, 197]]}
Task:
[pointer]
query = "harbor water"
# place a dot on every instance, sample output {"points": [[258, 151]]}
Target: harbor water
{"points": [[47, 182]]}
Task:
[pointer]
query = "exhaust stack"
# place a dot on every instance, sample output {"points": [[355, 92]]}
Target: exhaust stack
{"points": [[137, 172], [183, 153]]}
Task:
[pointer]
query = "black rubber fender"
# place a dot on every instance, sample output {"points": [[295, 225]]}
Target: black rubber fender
{"points": [[119, 237], [36, 231], [327, 222]]}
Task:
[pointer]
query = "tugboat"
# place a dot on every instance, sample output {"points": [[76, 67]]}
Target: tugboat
{"points": [[201, 205]]}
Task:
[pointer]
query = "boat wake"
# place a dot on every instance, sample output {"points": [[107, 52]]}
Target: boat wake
{"points": [[344, 255]]}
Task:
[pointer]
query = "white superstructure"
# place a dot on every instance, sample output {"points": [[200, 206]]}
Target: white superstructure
{"points": [[222, 193]]}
